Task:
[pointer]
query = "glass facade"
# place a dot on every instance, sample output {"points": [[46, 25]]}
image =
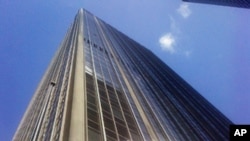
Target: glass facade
{"points": [[127, 93], [233, 3]]}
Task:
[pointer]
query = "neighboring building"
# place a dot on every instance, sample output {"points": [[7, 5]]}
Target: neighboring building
{"points": [[103, 86], [233, 3]]}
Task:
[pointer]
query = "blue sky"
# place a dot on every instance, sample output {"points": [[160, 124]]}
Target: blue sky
{"points": [[207, 45]]}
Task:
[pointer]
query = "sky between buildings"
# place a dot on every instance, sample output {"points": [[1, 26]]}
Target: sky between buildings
{"points": [[207, 45]]}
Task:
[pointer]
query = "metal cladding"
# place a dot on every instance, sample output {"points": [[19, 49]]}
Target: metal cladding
{"points": [[102, 85]]}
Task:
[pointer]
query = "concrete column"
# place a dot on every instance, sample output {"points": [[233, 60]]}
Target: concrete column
{"points": [[77, 120]]}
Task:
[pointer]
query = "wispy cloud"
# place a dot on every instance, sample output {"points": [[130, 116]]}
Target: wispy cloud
{"points": [[167, 42], [184, 10], [170, 42], [174, 26]]}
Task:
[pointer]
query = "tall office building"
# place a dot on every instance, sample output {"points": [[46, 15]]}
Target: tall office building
{"points": [[233, 3], [103, 86]]}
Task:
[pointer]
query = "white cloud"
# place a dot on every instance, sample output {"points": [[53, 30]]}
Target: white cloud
{"points": [[167, 42], [184, 10]]}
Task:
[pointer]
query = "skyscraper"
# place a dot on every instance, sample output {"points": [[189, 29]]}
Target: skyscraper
{"points": [[102, 85], [233, 3]]}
